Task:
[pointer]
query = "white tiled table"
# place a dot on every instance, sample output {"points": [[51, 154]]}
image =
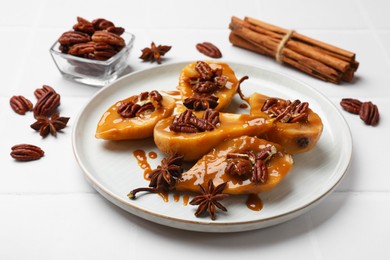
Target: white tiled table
{"points": [[48, 211]]}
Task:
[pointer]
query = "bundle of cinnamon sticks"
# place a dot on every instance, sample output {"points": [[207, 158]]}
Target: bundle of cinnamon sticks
{"points": [[316, 58]]}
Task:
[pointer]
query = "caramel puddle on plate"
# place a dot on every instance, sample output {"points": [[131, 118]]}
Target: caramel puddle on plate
{"points": [[253, 202], [152, 155]]}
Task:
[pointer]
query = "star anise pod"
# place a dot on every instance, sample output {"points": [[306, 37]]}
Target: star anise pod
{"points": [[52, 125], [154, 53], [164, 177], [208, 201], [201, 102]]}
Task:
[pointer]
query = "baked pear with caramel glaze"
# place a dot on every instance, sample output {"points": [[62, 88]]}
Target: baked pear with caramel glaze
{"points": [[207, 84], [134, 117], [192, 145], [293, 124], [237, 162]]}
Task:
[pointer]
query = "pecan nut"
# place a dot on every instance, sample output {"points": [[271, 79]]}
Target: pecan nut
{"points": [[209, 49], [108, 38], [102, 24], [40, 91], [84, 26], [73, 37], [351, 105], [103, 52], [369, 113], [26, 152], [286, 111], [187, 122], [250, 164], [92, 50], [82, 49], [20, 104], [47, 104], [146, 101], [116, 30]]}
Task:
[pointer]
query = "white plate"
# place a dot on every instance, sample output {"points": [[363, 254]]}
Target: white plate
{"points": [[113, 171]]}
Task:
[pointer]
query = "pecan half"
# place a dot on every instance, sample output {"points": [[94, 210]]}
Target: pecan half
{"points": [[248, 164], [93, 50], [47, 104], [20, 104], [40, 91], [26, 152], [146, 101], [82, 49], [286, 111], [209, 49], [101, 24], [208, 80], [72, 37], [204, 70], [108, 38], [116, 30], [369, 113], [187, 122], [240, 165], [351, 105], [84, 26]]}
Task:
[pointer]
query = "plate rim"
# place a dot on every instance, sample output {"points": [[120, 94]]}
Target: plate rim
{"points": [[212, 226]]}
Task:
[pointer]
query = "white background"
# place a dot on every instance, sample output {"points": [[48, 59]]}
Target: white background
{"points": [[49, 211]]}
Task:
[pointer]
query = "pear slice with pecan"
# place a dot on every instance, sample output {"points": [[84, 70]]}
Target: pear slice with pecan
{"points": [[134, 117], [293, 124], [203, 79], [192, 136], [248, 165]]}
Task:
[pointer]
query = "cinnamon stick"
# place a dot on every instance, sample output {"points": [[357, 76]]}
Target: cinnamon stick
{"points": [[319, 59]]}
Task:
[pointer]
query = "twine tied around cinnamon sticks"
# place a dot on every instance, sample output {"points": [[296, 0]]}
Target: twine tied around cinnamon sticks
{"points": [[316, 58], [282, 43]]}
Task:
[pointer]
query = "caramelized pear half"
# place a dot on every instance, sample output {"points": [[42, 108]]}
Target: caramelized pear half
{"points": [[192, 146], [295, 137], [221, 78], [113, 126], [213, 166]]}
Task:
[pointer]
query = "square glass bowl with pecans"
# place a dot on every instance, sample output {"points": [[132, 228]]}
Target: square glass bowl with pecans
{"points": [[95, 72]]}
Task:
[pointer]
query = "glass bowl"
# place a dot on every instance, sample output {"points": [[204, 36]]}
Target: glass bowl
{"points": [[92, 72]]}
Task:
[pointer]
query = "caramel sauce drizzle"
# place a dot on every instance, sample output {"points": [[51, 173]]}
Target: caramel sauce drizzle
{"points": [[176, 197], [163, 195], [142, 161], [186, 198], [253, 202], [171, 92]]}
